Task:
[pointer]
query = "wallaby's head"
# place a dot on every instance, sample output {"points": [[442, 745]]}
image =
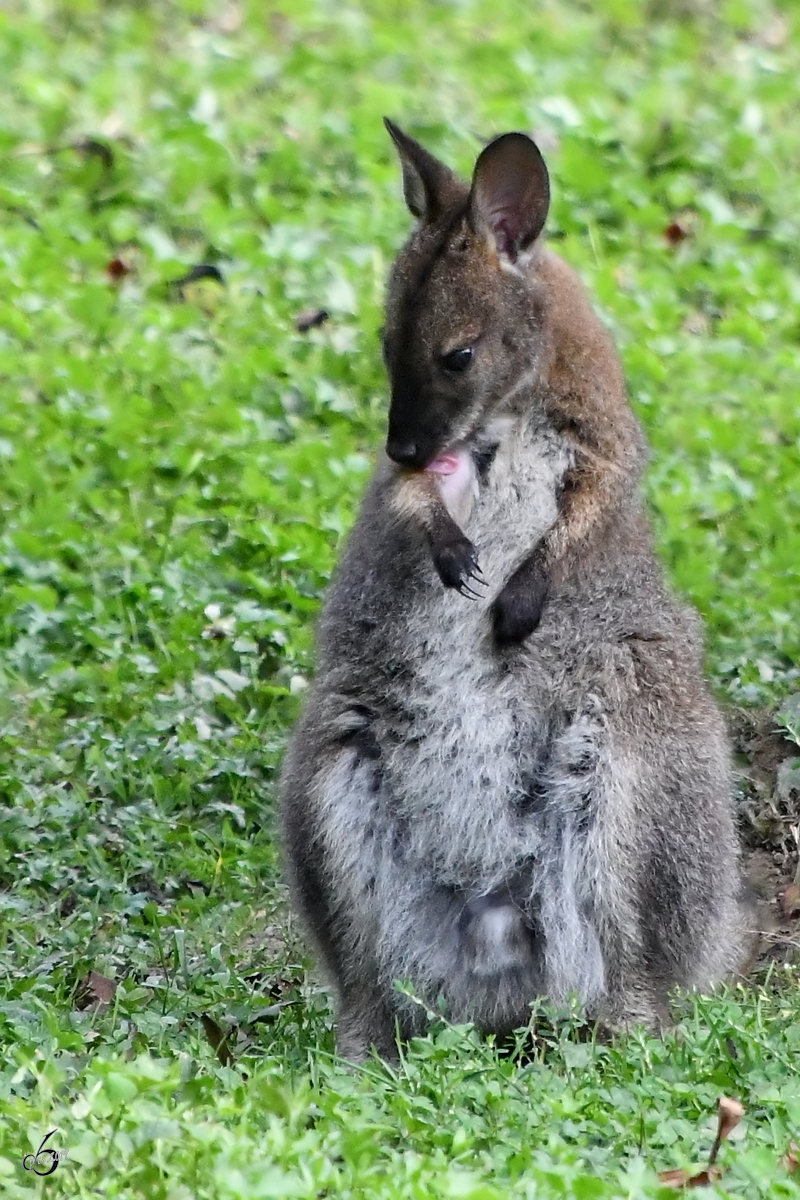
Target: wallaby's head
{"points": [[464, 315]]}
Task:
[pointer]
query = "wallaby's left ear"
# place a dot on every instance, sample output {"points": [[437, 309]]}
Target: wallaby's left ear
{"points": [[510, 193], [430, 188]]}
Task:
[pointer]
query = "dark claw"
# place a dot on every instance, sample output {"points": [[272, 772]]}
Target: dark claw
{"points": [[469, 587], [467, 592], [456, 564]]}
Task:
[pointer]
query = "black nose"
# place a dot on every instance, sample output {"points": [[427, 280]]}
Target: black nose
{"points": [[403, 452]]}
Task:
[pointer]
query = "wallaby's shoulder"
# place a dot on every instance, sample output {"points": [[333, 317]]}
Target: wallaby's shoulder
{"points": [[585, 392], [583, 347]]}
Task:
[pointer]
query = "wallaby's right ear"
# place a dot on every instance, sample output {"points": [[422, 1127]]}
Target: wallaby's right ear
{"points": [[430, 188], [510, 194]]}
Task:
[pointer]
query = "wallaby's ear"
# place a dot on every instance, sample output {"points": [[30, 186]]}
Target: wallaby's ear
{"points": [[428, 185], [510, 193]]}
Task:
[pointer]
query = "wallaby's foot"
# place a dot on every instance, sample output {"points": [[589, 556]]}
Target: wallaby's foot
{"points": [[640, 1007], [517, 610], [456, 563], [362, 1027]]}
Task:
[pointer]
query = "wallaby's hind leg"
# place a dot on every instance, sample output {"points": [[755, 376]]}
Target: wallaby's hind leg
{"points": [[332, 818], [364, 1023], [585, 878], [640, 888]]}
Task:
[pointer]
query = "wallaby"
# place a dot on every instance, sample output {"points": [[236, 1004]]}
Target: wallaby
{"points": [[509, 780]]}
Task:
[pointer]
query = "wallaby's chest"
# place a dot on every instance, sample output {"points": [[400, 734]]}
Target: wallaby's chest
{"points": [[517, 501], [468, 731]]}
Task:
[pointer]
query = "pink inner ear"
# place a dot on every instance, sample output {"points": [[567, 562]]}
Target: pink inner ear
{"points": [[510, 193], [504, 236]]}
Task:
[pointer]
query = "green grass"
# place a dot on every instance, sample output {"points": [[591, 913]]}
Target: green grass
{"points": [[179, 466]]}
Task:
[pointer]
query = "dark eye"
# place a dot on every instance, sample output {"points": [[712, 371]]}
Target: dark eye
{"points": [[458, 360]]}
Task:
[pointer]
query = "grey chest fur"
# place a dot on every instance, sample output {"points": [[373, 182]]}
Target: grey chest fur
{"points": [[467, 730]]}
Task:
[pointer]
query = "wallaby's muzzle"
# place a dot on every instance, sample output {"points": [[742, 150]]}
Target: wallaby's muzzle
{"points": [[404, 452], [411, 445], [415, 453]]}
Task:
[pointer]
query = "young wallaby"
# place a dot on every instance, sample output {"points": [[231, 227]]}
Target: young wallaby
{"points": [[509, 779]]}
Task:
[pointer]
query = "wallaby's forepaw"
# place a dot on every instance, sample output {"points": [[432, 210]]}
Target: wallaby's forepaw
{"points": [[517, 610], [457, 566]]}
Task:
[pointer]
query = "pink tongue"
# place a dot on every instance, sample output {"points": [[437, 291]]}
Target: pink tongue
{"points": [[445, 464]]}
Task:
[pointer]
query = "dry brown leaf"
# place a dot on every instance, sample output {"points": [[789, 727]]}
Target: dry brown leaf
{"points": [[789, 901], [677, 1178], [729, 1113], [95, 989], [117, 269], [704, 1178], [791, 1160], [681, 1178], [218, 1040], [675, 233]]}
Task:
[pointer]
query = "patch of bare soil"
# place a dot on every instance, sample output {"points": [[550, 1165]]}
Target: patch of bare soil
{"points": [[768, 778]]}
